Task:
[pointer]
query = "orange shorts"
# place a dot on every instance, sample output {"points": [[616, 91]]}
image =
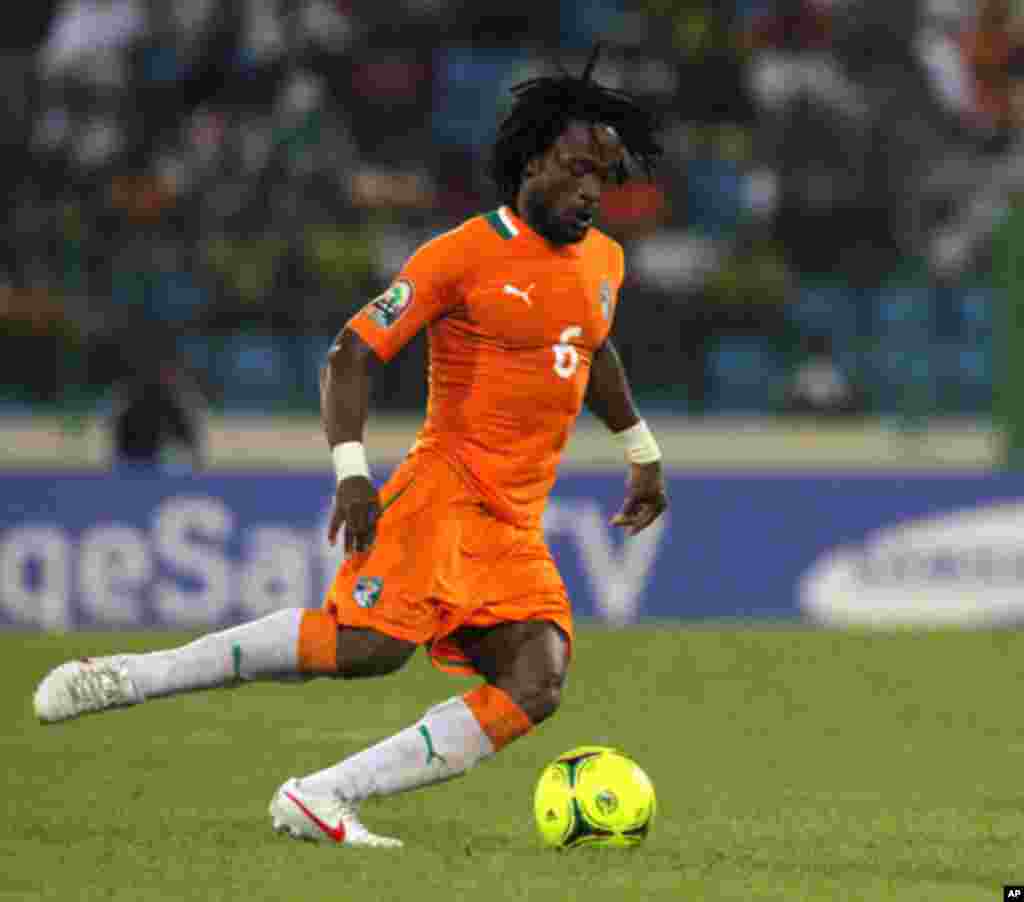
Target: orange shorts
{"points": [[442, 561]]}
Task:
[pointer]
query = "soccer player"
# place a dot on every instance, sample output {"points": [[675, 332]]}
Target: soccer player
{"points": [[450, 554]]}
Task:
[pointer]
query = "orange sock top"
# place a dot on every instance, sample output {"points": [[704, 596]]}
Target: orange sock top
{"points": [[499, 717], [318, 642]]}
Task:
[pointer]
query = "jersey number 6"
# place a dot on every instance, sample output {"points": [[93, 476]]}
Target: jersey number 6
{"points": [[567, 358]]}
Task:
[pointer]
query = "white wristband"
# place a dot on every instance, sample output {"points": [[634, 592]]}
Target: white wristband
{"points": [[349, 460], [638, 444]]}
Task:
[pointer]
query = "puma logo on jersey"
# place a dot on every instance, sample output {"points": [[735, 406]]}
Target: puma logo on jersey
{"points": [[518, 293]]}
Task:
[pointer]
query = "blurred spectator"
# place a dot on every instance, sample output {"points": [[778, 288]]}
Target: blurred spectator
{"points": [[853, 140], [988, 48], [157, 420], [634, 209], [21, 35], [819, 386], [939, 46], [790, 44], [37, 341], [990, 187], [89, 39], [245, 173]]}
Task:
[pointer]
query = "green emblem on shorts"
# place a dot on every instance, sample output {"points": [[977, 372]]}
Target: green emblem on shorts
{"points": [[367, 591]]}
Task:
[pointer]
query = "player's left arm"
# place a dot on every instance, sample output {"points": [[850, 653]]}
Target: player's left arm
{"points": [[611, 401]]}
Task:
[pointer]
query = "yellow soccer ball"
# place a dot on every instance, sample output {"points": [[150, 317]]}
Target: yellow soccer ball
{"points": [[593, 796]]}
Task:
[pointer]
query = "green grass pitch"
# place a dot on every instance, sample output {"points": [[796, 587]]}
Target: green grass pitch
{"points": [[789, 764]]}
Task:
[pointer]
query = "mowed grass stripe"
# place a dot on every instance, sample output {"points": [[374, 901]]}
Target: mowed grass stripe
{"points": [[789, 765]]}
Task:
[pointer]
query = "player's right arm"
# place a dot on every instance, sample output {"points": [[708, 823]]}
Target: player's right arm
{"points": [[424, 291], [344, 405]]}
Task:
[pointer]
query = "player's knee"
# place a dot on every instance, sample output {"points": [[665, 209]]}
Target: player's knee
{"points": [[539, 699], [546, 703]]}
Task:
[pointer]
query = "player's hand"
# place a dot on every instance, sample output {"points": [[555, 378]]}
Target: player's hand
{"points": [[646, 498], [357, 505]]}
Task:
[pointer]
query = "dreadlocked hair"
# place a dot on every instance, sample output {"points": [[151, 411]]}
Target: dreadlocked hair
{"points": [[542, 109]]}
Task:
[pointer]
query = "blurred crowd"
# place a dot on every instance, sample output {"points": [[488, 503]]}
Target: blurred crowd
{"points": [[214, 186]]}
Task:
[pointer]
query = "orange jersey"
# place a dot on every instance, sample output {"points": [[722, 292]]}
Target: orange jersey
{"points": [[513, 323]]}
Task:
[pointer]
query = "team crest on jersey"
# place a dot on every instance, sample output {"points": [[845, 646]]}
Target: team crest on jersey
{"points": [[388, 307], [606, 298], [367, 591]]}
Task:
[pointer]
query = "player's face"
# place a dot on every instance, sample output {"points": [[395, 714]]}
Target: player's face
{"points": [[563, 187]]}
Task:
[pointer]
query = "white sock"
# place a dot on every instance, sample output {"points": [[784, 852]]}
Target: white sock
{"points": [[445, 743], [268, 647]]}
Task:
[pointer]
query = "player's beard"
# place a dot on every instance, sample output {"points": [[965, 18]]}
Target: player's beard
{"points": [[544, 222]]}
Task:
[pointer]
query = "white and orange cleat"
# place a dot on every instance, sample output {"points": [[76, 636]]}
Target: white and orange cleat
{"points": [[81, 687], [322, 819]]}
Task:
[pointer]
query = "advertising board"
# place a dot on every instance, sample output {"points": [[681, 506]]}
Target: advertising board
{"points": [[96, 551]]}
